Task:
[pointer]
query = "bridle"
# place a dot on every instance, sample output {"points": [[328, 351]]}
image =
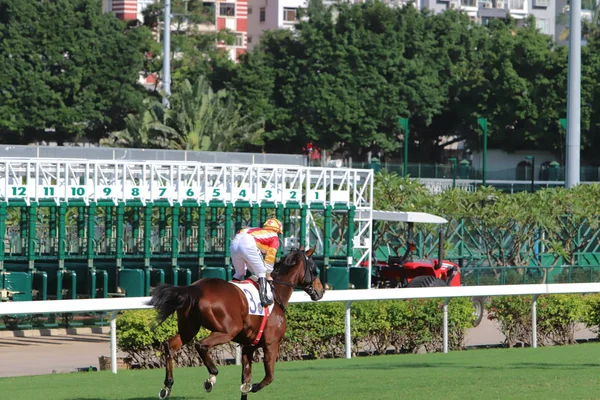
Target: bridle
{"points": [[309, 276]]}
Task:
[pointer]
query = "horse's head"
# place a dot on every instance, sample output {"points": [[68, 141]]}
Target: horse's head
{"points": [[298, 269]]}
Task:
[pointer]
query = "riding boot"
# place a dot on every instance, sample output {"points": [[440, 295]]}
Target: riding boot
{"points": [[262, 292]]}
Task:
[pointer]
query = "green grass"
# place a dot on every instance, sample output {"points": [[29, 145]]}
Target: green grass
{"points": [[570, 372]]}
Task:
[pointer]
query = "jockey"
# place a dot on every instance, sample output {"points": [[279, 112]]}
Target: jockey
{"points": [[247, 248]]}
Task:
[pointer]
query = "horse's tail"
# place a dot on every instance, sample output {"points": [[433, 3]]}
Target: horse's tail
{"points": [[167, 299]]}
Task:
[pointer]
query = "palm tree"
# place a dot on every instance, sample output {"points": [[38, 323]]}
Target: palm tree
{"points": [[201, 119], [146, 131]]}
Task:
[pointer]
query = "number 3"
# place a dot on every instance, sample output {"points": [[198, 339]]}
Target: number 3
{"points": [[251, 300]]}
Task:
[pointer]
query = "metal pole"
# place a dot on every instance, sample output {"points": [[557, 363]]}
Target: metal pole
{"points": [[347, 331], [532, 177], [534, 321], [113, 341], [483, 123], [446, 325], [404, 125], [167, 53], [574, 98]]}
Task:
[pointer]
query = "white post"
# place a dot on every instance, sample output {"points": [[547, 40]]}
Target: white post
{"points": [[113, 341], [238, 354], [347, 331], [446, 325], [534, 320]]}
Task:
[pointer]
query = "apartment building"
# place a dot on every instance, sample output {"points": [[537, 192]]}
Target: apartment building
{"points": [[265, 15], [273, 14], [227, 14]]}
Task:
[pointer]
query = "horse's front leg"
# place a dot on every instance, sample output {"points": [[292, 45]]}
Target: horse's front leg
{"points": [[170, 346], [247, 356], [271, 353], [203, 347]]}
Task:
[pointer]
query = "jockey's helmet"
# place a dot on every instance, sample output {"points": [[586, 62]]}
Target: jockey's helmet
{"points": [[273, 224]]}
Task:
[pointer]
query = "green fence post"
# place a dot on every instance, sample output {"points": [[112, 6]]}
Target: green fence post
{"points": [[120, 232], [483, 123], [62, 234], [162, 227], [280, 216], [2, 233], [254, 215], [404, 126], [52, 228], [201, 234], [147, 234], [108, 228], [80, 227], [239, 218], [90, 233], [32, 234], [303, 221], [214, 224], [135, 227], [188, 229], [228, 233], [263, 216], [327, 236], [350, 239], [174, 234]]}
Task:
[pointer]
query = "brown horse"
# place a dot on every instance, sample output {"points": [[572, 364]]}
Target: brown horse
{"points": [[222, 308]]}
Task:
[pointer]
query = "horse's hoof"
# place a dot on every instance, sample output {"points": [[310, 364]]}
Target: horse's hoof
{"points": [[255, 388], [208, 386], [246, 388], [164, 393]]}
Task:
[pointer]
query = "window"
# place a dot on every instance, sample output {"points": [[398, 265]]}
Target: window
{"points": [[239, 40], [289, 14], [249, 39], [249, 10], [543, 25], [541, 3], [227, 10], [263, 14], [517, 4]]}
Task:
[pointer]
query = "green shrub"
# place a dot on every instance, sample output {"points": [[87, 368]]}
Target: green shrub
{"points": [[315, 330], [556, 318], [140, 336], [591, 312]]}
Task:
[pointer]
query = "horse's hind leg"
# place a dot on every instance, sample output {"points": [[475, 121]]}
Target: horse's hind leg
{"points": [[203, 347], [187, 330], [170, 346], [247, 355]]}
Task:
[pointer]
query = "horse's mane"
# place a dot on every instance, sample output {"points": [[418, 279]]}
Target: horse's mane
{"points": [[288, 261]]}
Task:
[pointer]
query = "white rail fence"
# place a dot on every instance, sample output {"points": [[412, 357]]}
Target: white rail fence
{"points": [[347, 296]]}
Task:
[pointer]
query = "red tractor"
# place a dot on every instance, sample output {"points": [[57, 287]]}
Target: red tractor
{"points": [[404, 271]]}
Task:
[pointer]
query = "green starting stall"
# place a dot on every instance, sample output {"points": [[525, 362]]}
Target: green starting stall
{"points": [[85, 229]]}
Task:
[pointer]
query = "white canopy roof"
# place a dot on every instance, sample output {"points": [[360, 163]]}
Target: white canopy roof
{"points": [[407, 216]]}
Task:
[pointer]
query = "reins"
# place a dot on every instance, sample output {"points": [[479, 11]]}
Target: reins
{"points": [[278, 282]]}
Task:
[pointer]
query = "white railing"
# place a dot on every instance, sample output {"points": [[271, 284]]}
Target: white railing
{"points": [[348, 296]]}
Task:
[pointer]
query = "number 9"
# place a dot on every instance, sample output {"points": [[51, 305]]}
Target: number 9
{"points": [[106, 191]]}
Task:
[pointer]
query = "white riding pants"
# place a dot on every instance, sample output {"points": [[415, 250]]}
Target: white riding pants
{"points": [[246, 255]]}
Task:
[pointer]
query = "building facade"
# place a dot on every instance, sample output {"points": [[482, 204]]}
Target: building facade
{"points": [[273, 14], [265, 15], [228, 14]]}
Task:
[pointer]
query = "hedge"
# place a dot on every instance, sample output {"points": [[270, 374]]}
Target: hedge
{"points": [[315, 330]]}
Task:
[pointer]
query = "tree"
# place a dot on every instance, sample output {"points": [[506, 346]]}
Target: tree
{"points": [[197, 119], [201, 119], [146, 130], [193, 40], [69, 71]]}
